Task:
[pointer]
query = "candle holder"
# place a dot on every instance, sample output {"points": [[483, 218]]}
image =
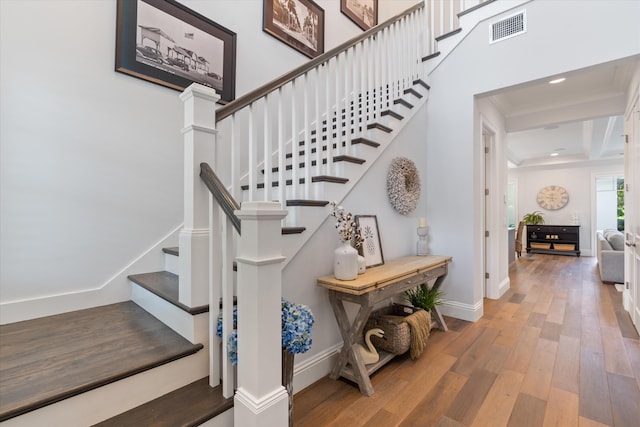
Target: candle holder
{"points": [[421, 245]]}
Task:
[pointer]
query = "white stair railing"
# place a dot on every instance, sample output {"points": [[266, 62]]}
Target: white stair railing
{"points": [[442, 16], [328, 100]]}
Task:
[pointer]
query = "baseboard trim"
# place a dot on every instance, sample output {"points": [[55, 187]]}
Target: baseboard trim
{"points": [[315, 368], [459, 310], [115, 289]]}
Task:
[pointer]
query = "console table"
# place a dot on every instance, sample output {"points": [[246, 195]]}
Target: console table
{"points": [[553, 239], [375, 285]]}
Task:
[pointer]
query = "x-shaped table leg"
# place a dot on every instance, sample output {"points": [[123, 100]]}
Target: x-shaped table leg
{"points": [[351, 332]]}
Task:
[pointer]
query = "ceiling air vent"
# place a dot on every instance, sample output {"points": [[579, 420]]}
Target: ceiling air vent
{"points": [[510, 26]]}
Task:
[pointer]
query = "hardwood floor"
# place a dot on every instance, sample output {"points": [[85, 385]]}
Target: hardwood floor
{"points": [[556, 350]]}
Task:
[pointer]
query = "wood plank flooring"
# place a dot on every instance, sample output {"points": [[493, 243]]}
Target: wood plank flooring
{"points": [[556, 350]]}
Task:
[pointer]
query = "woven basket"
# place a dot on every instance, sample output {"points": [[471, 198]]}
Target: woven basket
{"points": [[397, 336], [564, 246], [540, 245]]}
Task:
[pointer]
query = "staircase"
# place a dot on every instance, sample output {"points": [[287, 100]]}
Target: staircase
{"points": [[154, 359]]}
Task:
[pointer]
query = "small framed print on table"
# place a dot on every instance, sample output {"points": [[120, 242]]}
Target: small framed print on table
{"points": [[371, 248]]}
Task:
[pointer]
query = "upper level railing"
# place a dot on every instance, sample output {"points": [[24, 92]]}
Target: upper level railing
{"points": [[329, 98], [443, 16]]}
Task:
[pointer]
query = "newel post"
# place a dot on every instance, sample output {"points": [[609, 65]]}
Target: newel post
{"points": [[199, 146], [260, 399]]}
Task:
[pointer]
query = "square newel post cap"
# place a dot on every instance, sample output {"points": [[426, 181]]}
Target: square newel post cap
{"points": [[260, 211], [196, 90], [199, 107], [261, 239]]}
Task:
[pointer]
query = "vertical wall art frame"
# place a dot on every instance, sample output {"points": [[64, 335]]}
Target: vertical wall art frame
{"points": [[164, 42], [298, 23], [371, 248], [363, 12]]}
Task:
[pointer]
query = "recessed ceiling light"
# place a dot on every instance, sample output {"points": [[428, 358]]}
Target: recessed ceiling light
{"points": [[560, 80], [554, 154]]}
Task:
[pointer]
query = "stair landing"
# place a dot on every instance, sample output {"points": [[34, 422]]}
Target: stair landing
{"points": [[46, 360]]}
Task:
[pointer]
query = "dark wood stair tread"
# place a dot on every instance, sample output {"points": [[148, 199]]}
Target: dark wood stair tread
{"points": [[392, 114], [165, 285], [188, 406], [379, 126], [302, 202], [403, 102], [449, 34], [365, 141], [336, 159], [52, 358], [421, 83], [413, 92], [172, 251], [431, 56], [293, 230]]}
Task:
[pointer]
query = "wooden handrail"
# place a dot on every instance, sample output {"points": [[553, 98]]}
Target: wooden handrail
{"points": [[258, 93], [224, 198]]}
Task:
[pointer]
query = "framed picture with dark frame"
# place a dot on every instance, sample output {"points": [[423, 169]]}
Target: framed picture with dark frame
{"points": [[363, 12], [371, 248], [298, 23], [166, 43]]}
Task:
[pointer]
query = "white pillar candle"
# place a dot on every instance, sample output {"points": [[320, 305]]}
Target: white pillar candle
{"points": [[423, 222]]}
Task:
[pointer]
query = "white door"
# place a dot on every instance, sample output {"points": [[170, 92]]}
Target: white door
{"points": [[632, 211]]}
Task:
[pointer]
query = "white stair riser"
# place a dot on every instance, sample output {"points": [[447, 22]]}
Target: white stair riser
{"points": [[171, 263], [193, 328]]}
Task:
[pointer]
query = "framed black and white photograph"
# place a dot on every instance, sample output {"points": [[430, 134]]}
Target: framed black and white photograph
{"points": [[166, 43], [363, 12], [298, 23], [371, 248]]}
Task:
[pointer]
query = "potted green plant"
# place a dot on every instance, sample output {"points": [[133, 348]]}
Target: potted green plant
{"points": [[424, 297], [533, 218]]}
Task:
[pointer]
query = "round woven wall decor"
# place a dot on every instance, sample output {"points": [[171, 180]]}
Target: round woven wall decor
{"points": [[403, 185]]}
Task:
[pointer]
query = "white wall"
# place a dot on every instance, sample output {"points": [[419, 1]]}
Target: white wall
{"points": [[454, 158], [579, 182], [91, 159]]}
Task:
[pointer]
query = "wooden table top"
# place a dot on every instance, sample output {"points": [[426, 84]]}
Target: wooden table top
{"points": [[383, 275]]}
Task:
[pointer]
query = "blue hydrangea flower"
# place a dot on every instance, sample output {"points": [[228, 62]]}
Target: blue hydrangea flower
{"points": [[297, 320]]}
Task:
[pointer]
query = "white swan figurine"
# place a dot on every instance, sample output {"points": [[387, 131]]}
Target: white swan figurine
{"points": [[370, 355]]}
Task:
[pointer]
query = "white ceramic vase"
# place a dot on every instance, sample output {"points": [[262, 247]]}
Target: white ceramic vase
{"points": [[345, 262]]}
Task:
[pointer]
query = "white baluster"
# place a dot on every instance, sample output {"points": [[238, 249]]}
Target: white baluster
{"points": [[282, 163], [337, 78], [307, 137], [318, 119], [348, 84], [251, 156], [295, 148], [267, 152], [329, 117], [226, 257]]}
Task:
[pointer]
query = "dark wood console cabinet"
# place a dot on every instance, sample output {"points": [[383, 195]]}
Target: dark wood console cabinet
{"points": [[554, 239]]}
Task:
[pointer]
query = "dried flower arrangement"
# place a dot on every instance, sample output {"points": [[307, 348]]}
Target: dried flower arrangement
{"points": [[346, 226]]}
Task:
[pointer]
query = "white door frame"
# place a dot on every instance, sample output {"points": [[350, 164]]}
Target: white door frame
{"points": [[490, 212], [631, 293]]}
